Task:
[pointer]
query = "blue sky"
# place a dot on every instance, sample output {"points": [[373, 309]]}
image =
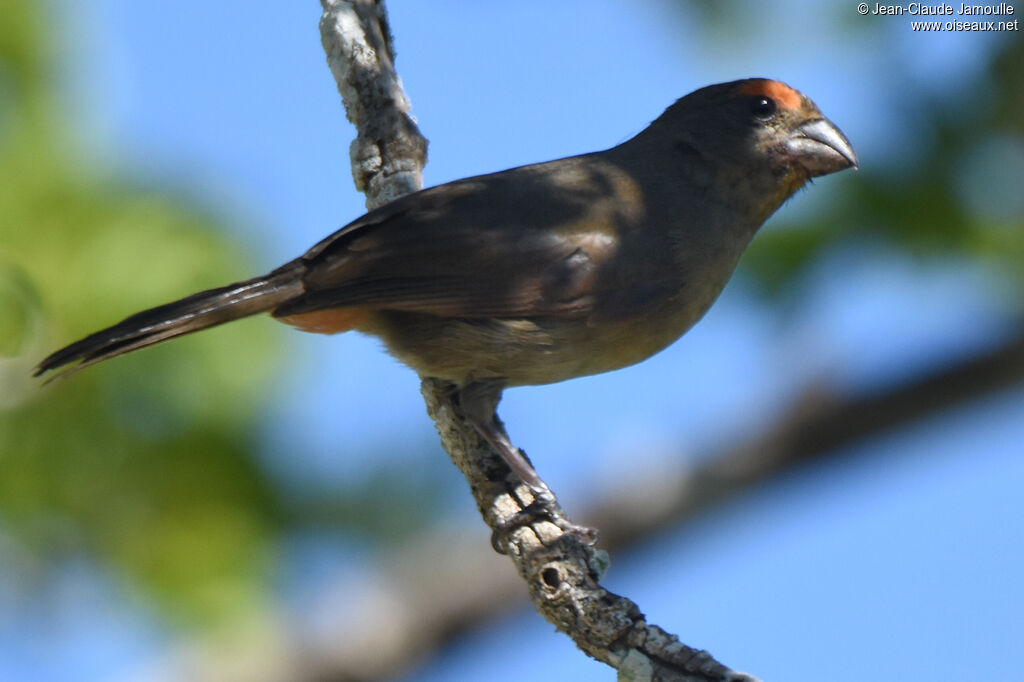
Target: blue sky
{"points": [[886, 562]]}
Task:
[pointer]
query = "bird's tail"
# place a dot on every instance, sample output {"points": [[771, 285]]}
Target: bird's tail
{"points": [[198, 311]]}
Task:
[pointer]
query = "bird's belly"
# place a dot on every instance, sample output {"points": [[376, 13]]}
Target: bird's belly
{"points": [[523, 351]]}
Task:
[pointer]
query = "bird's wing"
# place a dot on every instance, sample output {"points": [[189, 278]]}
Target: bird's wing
{"points": [[535, 241]]}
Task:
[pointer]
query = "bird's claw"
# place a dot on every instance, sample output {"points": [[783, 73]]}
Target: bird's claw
{"points": [[543, 508]]}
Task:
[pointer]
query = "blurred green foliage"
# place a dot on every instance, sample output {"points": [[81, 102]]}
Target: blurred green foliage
{"points": [[140, 464]]}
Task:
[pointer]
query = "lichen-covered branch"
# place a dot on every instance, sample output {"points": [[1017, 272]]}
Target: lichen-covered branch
{"points": [[561, 570], [389, 152]]}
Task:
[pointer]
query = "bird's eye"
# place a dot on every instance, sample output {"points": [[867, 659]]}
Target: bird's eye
{"points": [[763, 107]]}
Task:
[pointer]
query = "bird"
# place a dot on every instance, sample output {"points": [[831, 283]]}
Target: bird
{"points": [[543, 272]]}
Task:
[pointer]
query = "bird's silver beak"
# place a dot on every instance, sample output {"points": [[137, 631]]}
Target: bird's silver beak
{"points": [[821, 148]]}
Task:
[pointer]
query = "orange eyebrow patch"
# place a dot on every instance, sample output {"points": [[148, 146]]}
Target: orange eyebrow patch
{"points": [[785, 96], [330, 321]]}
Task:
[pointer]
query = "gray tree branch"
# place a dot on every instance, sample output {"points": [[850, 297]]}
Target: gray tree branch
{"points": [[389, 152], [560, 569]]}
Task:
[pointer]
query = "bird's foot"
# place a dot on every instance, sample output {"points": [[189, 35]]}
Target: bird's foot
{"points": [[544, 507]]}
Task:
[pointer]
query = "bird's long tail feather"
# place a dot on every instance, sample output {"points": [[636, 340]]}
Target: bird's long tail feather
{"points": [[198, 311]]}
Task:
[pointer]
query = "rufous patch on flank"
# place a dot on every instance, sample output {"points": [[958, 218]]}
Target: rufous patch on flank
{"points": [[329, 321], [785, 96]]}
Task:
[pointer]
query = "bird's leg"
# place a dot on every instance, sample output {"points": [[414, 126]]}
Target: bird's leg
{"points": [[478, 402]]}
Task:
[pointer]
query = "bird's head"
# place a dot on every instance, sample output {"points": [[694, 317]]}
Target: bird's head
{"points": [[788, 129], [757, 134]]}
